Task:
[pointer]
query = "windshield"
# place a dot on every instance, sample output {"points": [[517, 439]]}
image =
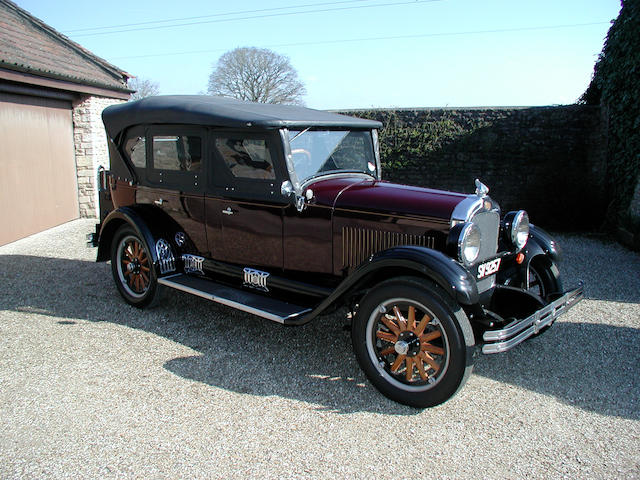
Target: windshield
{"points": [[319, 152]]}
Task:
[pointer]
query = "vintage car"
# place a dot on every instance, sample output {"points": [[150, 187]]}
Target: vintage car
{"points": [[281, 212]]}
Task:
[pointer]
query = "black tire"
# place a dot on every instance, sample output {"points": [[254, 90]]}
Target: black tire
{"points": [[132, 268], [441, 330]]}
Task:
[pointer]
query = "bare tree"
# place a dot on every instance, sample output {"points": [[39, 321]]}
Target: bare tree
{"points": [[257, 75], [143, 88]]}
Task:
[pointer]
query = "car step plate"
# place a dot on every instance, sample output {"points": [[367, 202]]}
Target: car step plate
{"points": [[249, 302]]}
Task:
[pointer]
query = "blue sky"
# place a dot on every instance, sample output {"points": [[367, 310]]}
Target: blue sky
{"points": [[358, 53]]}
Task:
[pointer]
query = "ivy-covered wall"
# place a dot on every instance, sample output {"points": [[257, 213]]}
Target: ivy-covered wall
{"points": [[550, 161], [616, 86]]}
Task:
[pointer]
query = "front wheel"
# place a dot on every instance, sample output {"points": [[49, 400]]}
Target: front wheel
{"points": [[413, 342], [541, 278]]}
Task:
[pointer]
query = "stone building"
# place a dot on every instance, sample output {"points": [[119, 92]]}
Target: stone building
{"points": [[52, 93]]}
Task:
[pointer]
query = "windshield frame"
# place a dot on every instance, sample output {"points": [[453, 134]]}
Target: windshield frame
{"points": [[300, 184]]}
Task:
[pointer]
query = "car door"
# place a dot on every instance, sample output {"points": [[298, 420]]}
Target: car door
{"points": [[245, 198], [175, 178]]}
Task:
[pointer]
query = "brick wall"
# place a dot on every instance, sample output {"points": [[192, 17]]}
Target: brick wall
{"points": [[550, 161], [634, 209], [90, 150]]}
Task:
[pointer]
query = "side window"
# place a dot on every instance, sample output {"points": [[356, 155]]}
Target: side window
{"points": [[135, 149], [246, 157], [179, 153]]}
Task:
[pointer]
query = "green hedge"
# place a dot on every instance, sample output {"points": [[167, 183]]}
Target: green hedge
{"points": [[616, 85], [404, 143]]}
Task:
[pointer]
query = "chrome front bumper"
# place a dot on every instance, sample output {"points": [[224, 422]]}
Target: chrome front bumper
{"points": [[497, 341]]}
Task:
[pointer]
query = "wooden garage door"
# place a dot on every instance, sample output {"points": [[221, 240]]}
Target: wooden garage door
{"points": [[38, 186]]}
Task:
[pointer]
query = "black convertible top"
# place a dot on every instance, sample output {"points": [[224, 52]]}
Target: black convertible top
{"points": [[221, 112]]}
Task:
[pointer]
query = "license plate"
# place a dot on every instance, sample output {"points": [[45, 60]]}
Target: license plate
{"points": [[488, 268]]}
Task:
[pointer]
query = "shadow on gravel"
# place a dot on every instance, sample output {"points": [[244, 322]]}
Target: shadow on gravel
{"points": [[590, 366], [593, 367]]}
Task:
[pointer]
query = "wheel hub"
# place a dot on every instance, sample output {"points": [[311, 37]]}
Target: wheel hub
{"points": [[401, 347], [134, 266], [408, 344]]}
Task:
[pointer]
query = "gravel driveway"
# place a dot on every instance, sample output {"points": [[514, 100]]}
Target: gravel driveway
{"points": [[90, 387]]}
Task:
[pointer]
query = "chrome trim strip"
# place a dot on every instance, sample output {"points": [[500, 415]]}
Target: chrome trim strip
{"points": [[224, 301], [286, 146], [519, 330], [328, 176], [376, 151]]}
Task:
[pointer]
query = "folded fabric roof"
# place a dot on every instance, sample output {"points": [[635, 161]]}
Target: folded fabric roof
{"points": [[222, 112]]}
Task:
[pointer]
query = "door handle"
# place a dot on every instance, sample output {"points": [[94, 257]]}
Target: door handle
{"points": [[159, 201], [228, 211]]}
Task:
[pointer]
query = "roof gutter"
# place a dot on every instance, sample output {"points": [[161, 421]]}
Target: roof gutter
{"points": [[19, 74]]}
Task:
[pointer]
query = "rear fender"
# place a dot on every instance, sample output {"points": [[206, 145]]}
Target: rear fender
{"points": [[137, 219]]}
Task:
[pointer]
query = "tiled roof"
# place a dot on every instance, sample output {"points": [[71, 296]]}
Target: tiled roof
{"points": [[29, 45]]}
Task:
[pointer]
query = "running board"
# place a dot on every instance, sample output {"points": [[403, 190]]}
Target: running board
{"points": [[269, 308]]}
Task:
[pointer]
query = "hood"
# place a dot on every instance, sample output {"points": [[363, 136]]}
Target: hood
{"points": [[353, 193]]}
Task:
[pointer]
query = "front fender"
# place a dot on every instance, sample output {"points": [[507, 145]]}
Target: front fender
{"points": [[541, 243], [541, 247], [402, 261], [435, 265]]}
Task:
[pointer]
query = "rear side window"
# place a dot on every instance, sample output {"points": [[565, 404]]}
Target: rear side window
{"points": [[179, 153], [135, 149], [246, 157]]}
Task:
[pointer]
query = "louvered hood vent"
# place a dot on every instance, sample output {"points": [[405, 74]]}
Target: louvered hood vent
{"points": [[358, 244]]}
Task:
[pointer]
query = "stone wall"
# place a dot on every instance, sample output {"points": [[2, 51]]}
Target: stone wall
{"points": [[90, 149], [550, 161]]}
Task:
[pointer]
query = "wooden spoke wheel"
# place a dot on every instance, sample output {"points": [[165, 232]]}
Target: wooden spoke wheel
{"points": [[132, 268], [133, 265], [410, 342], [413, 341]]}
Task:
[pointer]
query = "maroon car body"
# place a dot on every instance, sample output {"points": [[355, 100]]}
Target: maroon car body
{"points": [[282, 212]]}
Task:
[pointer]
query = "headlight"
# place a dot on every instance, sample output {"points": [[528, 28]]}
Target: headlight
{"points": [[469, 243], [516, 227]]}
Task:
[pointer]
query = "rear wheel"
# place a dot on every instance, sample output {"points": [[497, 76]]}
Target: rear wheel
{"points": [[412, 341], [132, 268]]}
